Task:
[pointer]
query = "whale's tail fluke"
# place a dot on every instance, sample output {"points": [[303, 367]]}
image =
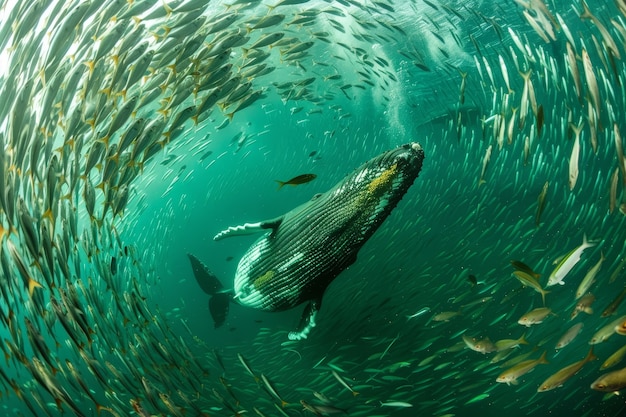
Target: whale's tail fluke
{"points": [[220, 297]]}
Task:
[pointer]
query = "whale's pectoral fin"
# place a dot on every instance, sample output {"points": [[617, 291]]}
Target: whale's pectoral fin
{"points": [[249, 228], [307, 322]]}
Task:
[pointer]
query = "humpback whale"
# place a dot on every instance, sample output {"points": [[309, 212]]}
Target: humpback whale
{"points": [[305, 249]]}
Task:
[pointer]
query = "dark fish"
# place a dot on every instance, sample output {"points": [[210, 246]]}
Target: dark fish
{"points": [[219, 360], [169, 159], [205, 155], [113, 265], [539, 119], [434, 6], [229, 258], [320, 409], [541, 204], [610, 310], [472, 279], [521, 266], [300, 179], [312, 154]]}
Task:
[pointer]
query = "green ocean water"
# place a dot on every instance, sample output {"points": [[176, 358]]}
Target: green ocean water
{"points": [[449, 226]]}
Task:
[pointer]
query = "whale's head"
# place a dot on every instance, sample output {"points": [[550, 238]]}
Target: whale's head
{"points": [[392, 172], [373, 190]]}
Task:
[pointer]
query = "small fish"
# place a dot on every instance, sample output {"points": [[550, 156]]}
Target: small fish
{"points": [[613, 191], [573, 66], [606, 331], [168, 159], [432, 5], [320, 409], [270, 388], [113, 265], [29, 282], [511, 375], [540, 119], [265, 40], [344, 383], [486, 160], [536, 316], [310, 407], [477, 398], [611, 382], [541, 204], [506, 344], [567, 263], [323, 398], [526, 150], [569, 335], [575, 155], [592, 82], [446, 315], [527, 280], [558, 379], [479, 301], [138, 409], [589, 278], [397, 404], [614, 304], [584, 304], [521, 266], [615, 358], [266, 21], [505, 73], [483, 346], [228, 388], [247, 367], [463, 85], [523, 110], [423, 310], [619, 150], [621, 266], [609, 42], [300, 179], [205, 155], [245, 102]]}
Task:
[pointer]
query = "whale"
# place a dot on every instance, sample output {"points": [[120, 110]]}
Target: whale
{"points": [[302, 251]]}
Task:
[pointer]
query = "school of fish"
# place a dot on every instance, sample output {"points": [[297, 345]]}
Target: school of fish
{"points": [[103, 100]]}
